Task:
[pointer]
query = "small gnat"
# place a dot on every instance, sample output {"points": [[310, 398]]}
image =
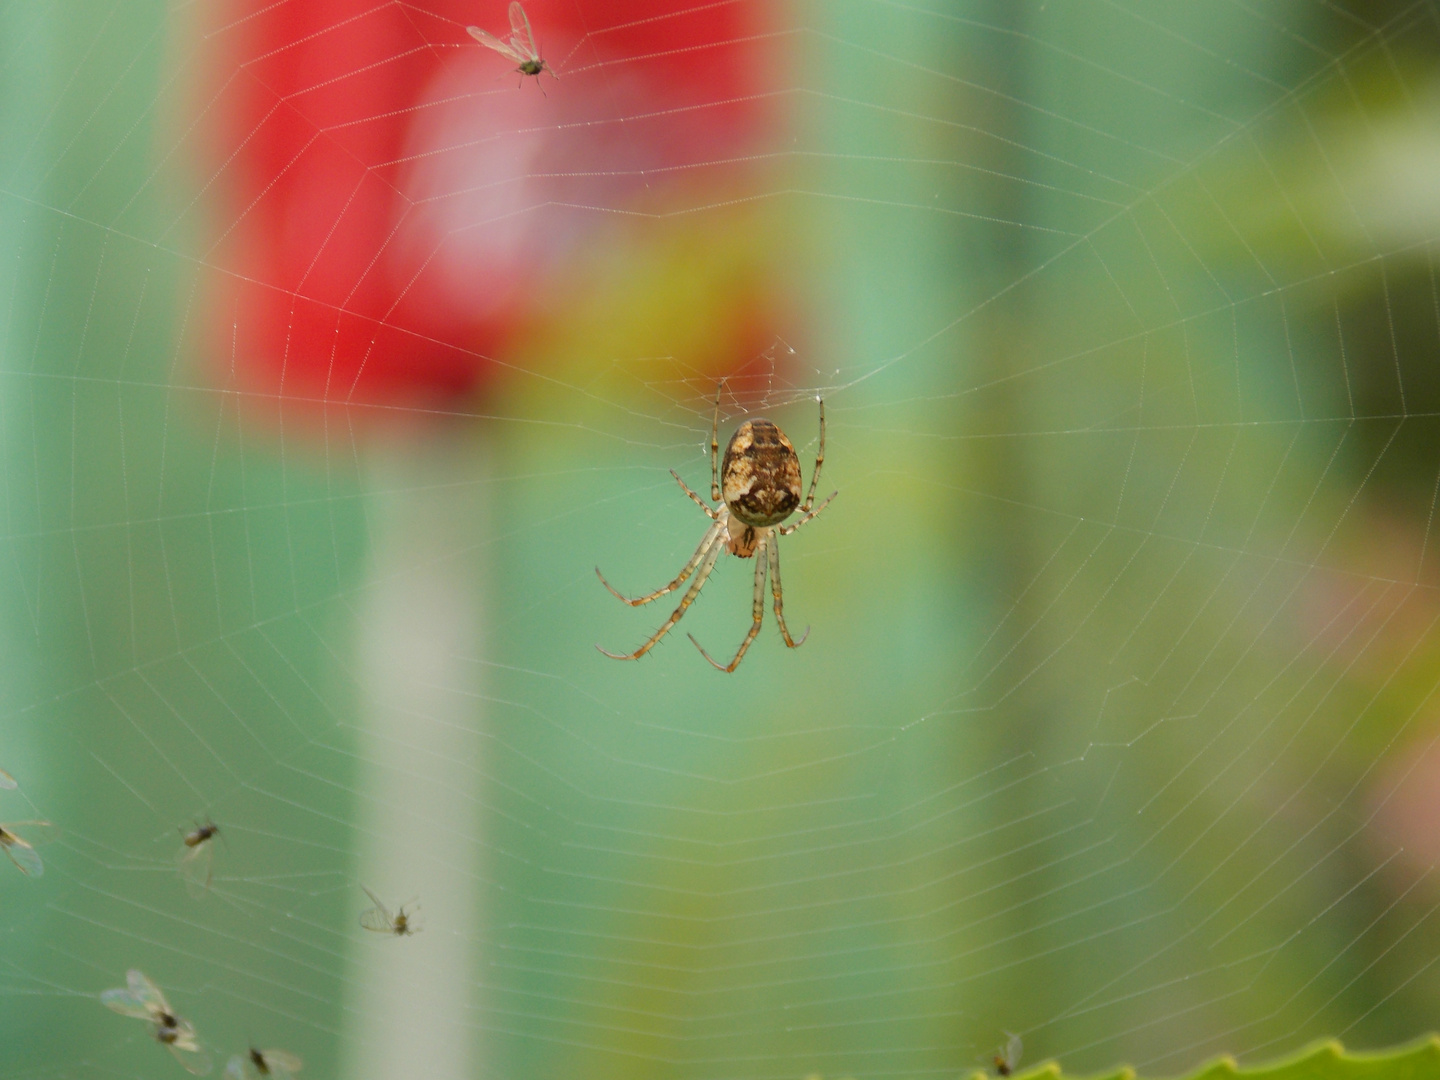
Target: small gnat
{"points": [[20, 849], [143, 1000], [258, 1063], [521, 44], [1007, 1057], [197, 856], [381, 920]]}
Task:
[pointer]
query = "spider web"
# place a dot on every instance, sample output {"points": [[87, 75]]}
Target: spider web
{"points": [[1116, 727]]}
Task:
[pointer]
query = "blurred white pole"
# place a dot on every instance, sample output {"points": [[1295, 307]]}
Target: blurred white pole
{"points": [[411, 1002]]}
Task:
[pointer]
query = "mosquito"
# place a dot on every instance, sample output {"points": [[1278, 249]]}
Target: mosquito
{"points": [[382, 921], [21, 853], [143, 1000], [521, 45], [197, 853]]}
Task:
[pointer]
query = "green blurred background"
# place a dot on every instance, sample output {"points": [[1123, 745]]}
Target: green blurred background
{"points": [[1115, 724]]}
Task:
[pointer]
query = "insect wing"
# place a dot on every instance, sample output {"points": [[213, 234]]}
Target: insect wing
{"points": [[140, 998], [7, 782], [490, 41], [142, 989], [20, 849], [187, 1051], [194, 1059], [195, 866], [235, 1068], [282, 1062], [522, 38], [21, 853], [1010, 1056], [37, 832], [126, 1004], [377, 918]]}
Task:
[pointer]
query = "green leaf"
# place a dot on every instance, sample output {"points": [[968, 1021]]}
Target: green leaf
{"points": [[1326, 1060]]}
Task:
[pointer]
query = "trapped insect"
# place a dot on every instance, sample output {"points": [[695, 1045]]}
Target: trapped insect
{"points": [[760, 481], [262, 1063], [143, 1000], [20, 850], [521, 45], [380, 919], [1007, 1058], [197, 854]]}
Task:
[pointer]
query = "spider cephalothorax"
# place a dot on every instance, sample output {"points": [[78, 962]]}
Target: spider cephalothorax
{"points": [[761, 489]]}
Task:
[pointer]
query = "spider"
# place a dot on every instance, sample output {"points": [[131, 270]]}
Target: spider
{"points": [[761, 485]]}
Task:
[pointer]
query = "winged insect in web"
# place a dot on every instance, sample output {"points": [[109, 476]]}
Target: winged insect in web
{"points": [[21, 848], [142, 999], [519, 47], [382, 920], [261, 1063], [1007, 1057], [197, 856]]}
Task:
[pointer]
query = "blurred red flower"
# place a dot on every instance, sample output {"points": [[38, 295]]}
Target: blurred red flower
{"points": [[397, 204]]}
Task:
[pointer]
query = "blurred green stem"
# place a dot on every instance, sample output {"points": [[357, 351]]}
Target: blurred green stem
{"points": [[419, 783]]}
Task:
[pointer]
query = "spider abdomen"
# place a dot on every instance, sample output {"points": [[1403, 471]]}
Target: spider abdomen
{"points": [[760, 477]]}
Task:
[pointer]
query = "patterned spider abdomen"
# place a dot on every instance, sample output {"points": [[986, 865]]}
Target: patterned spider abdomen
{"points": [[760, 477]]}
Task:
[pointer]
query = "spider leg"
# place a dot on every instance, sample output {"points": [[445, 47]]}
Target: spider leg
{"points": [[788, 529], [715, 447], [757, 613], [709, 511], [711, 547], [689, 568], [772, 547], [819, 461]]}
